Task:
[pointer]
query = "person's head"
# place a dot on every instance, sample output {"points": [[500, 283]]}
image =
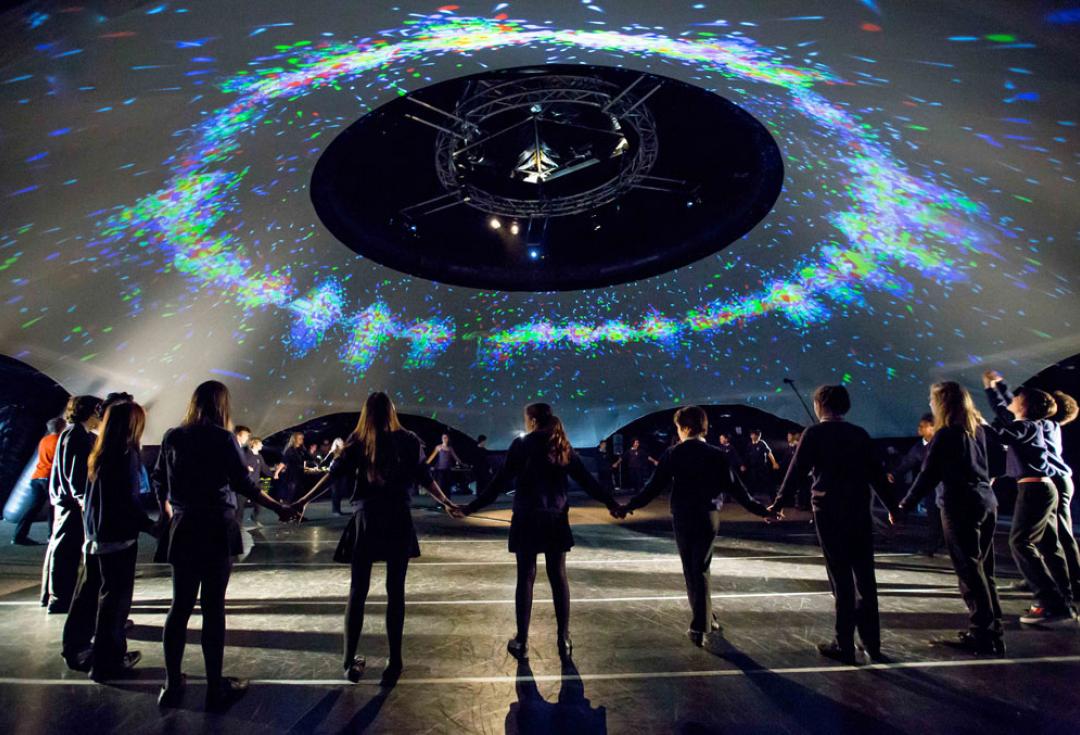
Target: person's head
{"points": [[725, 439], [209, 406], [755, 436], [540, 417], [83, 410], [296, 440], [635, 443], [603, 445], [691, 422], [121, 432], [55, 426], [831, 402], [378, 418], [793, 437], [243, 435], [255, 444], [115, 398], [1032, 404], [926, 427], [481, 440], [312, 448], [1067, 409], [952, 406], [446, 440]]}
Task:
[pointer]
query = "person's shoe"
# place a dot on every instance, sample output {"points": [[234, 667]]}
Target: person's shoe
{"points": [[517, 649], [172, 696], [696, 637], [566, 648], [224, 695], [121, 671], [25, 542], [834, 651], [58, 607], [82, 661], [1040, 615], [355, 670], [874, 653], [969, 643], [391, 674]]}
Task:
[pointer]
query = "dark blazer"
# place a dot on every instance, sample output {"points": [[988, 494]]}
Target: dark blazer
{"points": [[697, 473], [541, 484], [201, 468], [113, 512], [956, 465], [67, 481]]}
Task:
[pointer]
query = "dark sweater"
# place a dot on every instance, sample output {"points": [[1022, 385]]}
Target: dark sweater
{"points": [[67, 481], [113, 513], [404, 468], [842, 462], [1026, 439], [697, 474], [201, 468], [956, 466], [541, 484]]}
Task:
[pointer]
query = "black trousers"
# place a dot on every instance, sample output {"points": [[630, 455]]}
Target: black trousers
{"points": [[396, 569], [969, 536], [695, 536], [40, 490], [339, 491], [847, 541], [1065, 534], [100, 609], [207, 580], [935, 533], [60, 572], [1034, 543], [82, 615]]}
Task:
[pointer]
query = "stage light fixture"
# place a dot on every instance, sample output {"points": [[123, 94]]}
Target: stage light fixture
{"points": [[515, 228], [495, 223]]}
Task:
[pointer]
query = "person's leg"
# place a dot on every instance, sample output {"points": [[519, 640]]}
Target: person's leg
{"points": [[354, 610], [834, 546], [185, 583], [114, 604], [1034, 508], [986, 554], [935, 535], [968, 552], [867, 618], [555, 564], [39, 491], [65, 556], [523, 593], [214, 583], [1053, 552], [395, 607], [47, 564], [694, 539], [82, 616], [1066, 534]]}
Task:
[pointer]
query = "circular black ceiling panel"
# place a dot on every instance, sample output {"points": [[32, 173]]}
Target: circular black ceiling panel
{"points": [[548, 178]]}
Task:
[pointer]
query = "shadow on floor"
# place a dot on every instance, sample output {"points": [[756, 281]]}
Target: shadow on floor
{"points": [[570, 714]]}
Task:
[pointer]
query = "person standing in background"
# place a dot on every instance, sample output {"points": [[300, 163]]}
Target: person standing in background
{"points": [[444, 459], [39, 483], [911, 463], [251, 449], [295, 459], [760, 463], [67, 484], [1061, 474], [605, 461], [341, 488], [637, 465], [482, 465]]}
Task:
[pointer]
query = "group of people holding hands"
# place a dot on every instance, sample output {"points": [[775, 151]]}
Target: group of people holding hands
{"points": [[200, 471]]}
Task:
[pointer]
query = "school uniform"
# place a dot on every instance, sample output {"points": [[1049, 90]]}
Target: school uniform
{"points": [[842, 463], [1061, 475], [758, 468], [697, 474], [912, 462], [67, 486], [956, 471]]}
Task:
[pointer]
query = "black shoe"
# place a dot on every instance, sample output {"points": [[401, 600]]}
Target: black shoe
{"points": [[696, 637], [172, 696], [122, 671], [355, 670], [972, 644], [834, 651], [517, 649], [25, 542], [566, 648], [391, 674], [716, 627], [874, 654], [224, 695], [82, 661]]}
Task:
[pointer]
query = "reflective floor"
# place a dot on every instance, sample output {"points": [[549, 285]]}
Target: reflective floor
{"points": [[634, 670]]}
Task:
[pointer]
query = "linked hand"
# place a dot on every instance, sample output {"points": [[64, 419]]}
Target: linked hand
{"points": [[619, 512], [456, 512]]}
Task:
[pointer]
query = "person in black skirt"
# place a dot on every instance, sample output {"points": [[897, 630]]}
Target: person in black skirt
{"points": [[842, 461], [198, 473], [956, 470], [384, 462], [539, 464], [697, 473]]}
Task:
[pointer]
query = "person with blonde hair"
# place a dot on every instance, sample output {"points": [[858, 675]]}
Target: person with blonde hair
{"points": [[538, 464], [382, 463], [957, 471]]}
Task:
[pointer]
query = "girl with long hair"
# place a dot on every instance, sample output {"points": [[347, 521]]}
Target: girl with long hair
{"points": [[198, 473], [383, 462], [956, 464], [112, 521], [539, 464]]}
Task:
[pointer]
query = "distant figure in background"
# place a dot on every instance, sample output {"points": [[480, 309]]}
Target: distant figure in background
{"points": [[912, 463], [802, 490], [955, 469], [637, 462], [341, 488], [296, 460], [1061, 474], [112, 519], [482, 465], [39, 483], [198, 473], [67, 485], [760, 463], [444, 458], [728, 448], [257, 466], [605, 461], [842, 461]]}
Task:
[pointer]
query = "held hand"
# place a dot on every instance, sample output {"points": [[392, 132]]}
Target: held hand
{"points": [[772, 518], [891, 478], [287, 512], [457, 512]]}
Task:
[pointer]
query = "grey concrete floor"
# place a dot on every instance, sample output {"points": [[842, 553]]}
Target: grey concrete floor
{"points": [[634, 670]]}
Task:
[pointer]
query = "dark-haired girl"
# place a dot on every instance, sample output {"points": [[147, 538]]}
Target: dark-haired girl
{"points": [[383, 463], [539, 464], [199, 471]]}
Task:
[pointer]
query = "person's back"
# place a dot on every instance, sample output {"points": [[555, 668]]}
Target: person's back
{"points": [[541, 484], [196, 467], [965, 474], [67, 481], [841, 460], [113, 514], [699, 473], [401, 471]]}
